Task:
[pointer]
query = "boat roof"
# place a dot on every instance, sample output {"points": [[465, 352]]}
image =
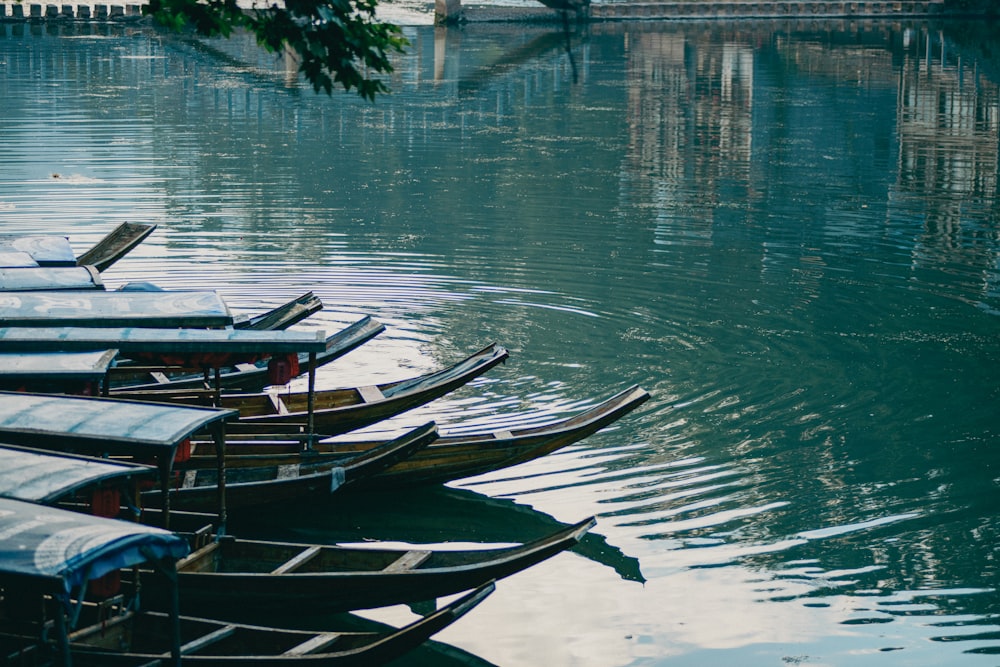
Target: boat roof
{"points": [[114, 309], [33, 367], [58, 550], [44, 249], [32, 278], [100, 425], [132, 340], [15, 259], [45, 477]]}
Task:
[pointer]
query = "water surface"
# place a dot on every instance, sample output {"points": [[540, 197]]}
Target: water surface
{"points": [[787, 233]]}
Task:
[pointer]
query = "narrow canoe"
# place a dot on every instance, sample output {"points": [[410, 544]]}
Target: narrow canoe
{"points": [[338, 411], [196, 489], [448, 458], [140, 638], [289, 579]]}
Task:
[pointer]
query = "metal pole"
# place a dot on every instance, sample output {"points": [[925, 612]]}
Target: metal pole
{"points": [[312, 398], [219, 436], [63, 635], [165, 469]]}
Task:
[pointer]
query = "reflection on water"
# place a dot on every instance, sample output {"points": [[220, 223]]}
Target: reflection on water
{"points": [[787, 233]]}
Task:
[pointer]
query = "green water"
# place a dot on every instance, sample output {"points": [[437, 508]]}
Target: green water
{"points": [[786, 233]]}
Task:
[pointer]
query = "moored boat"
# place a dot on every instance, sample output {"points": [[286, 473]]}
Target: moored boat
{"points": [[315, 578], [337, 411], [196, 490], [448, 458], [51, 555]]}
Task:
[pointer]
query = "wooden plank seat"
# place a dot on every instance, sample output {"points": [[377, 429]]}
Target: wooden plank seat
{"points": [[371, 394], [198, 644], [298, 561], [279, 405], [314, 645], [202, 548], [407, 561]]}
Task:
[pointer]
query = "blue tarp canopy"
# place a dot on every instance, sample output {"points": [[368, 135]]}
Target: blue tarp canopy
{"points": [[57, 550], [133, 340], [35, 278], [45, 477], [114, 309], [95, 425], [44, 249], [37, 367]]}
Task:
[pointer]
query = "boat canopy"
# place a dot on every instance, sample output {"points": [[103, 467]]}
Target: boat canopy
{"points": [[114, 309], [46, 477], [101, 425], [44, 249], [57, 550], [36, 368], [34, 278], [165, 342]]}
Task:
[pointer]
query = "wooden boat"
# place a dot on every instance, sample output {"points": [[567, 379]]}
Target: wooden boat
{"points": [[337, 411], [295, 579], [273, 576], [115, 245], [196, 490], [50, 553], [139, 638], [54, 554], [85, 373], [251, 374], [448, 458], [90, 372]]}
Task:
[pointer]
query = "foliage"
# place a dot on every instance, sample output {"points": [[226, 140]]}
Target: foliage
{"points": [[336, 41]]}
